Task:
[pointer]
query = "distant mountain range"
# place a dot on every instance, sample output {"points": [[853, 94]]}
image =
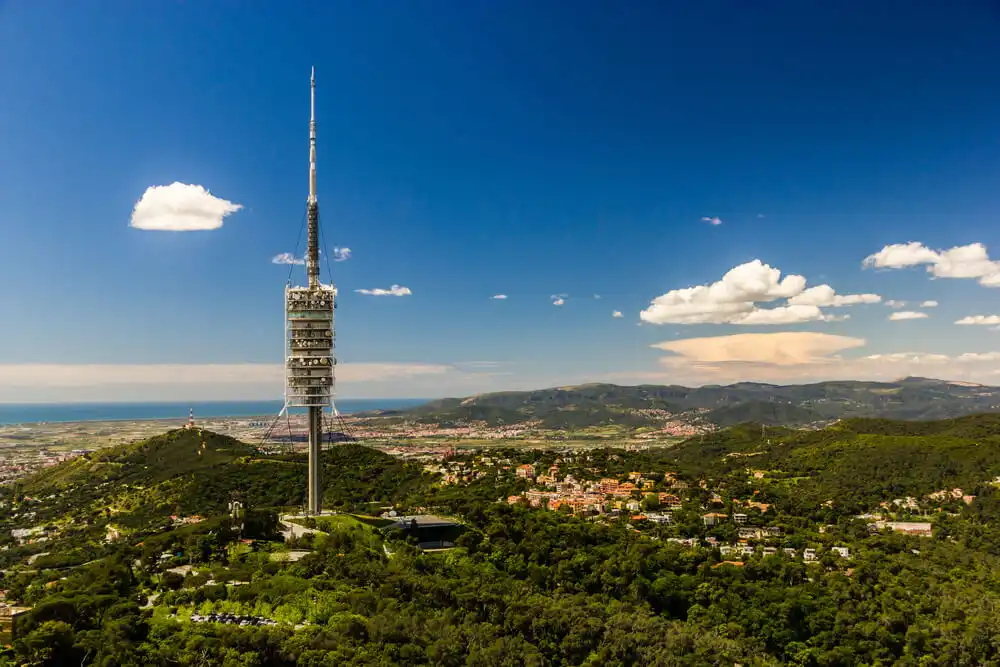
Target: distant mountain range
{"points": [[911, 398]]}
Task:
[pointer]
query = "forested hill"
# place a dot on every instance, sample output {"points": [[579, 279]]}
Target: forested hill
{"points": [[856, 463], [171, 455], [199, 472], [594, 404]]}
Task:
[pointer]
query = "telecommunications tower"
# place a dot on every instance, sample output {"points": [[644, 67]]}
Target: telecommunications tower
{"points": [[309, 334]]}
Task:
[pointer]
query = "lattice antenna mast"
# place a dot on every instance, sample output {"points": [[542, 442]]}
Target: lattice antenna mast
{"points": [[312, 260]]}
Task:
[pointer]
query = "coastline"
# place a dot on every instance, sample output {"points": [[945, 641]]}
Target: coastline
{"points": [[68, 414]]}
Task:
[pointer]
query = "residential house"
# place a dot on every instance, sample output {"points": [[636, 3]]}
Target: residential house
{"points": [[919, 528], [713, 518], [608, 486], [669, 499]]}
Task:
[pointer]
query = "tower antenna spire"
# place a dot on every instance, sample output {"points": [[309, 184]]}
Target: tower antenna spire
{"points": [[312, 256]]}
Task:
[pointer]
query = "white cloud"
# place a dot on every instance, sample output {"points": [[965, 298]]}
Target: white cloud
{"points": [[559, 299], [558, 302], [968, 261], [908, 357], [477, 364], [498, 297], [712, 220], [339, 255], [824, 296], [929, 304], [617, 313], [597, 296], [907, 315], [179, 207], [287, 258], [893, 303], [395, 290], [782, 315], [799, 357], [980, 320], [734, 299], [976, 357], [781, 349], [900, 255]]}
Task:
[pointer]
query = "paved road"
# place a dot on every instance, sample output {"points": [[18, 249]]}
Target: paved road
{"points": [[290, 529]]}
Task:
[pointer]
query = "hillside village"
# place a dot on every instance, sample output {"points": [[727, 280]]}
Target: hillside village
{"points": [[664, 505]]}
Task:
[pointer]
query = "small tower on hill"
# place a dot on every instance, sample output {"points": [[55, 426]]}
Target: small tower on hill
{"points": [[190, 422]]}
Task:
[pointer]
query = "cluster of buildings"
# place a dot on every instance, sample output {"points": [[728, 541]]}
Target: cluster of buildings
{"points": [[474, 430], [17, 463], [418, 452], [456, 472], [609, 496], [598, 497], [673, 427], [30, 535]]}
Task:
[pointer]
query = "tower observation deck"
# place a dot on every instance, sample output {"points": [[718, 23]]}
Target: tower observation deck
{"points": [[309, 333]]}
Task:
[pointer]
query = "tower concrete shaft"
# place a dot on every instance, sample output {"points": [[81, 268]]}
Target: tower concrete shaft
{"points": [[315, 501]]}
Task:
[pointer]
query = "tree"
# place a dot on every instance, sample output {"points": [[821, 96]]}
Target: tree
{"points": [[51, 643]]}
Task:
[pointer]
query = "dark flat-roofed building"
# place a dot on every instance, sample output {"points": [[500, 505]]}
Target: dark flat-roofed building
{"points": [[431, 532]]}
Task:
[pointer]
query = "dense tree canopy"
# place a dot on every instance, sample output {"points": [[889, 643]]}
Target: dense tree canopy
{"points": [[524, 586]]}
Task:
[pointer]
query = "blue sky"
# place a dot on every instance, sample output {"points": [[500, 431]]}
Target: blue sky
{"points": [[468, 149]]}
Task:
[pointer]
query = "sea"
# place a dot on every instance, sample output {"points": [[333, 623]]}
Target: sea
{"points": [[33, 413]]}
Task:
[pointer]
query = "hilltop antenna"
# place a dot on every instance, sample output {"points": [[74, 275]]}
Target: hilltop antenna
{"points": [[309, 332], [312, 204]]}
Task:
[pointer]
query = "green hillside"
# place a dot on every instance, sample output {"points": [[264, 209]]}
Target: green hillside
{"points": [[174, 454], [597, 404], [762, 412], [857, 462], [199, 472]]}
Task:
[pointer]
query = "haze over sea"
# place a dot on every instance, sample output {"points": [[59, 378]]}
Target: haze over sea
{"points": [[25, 413]]}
